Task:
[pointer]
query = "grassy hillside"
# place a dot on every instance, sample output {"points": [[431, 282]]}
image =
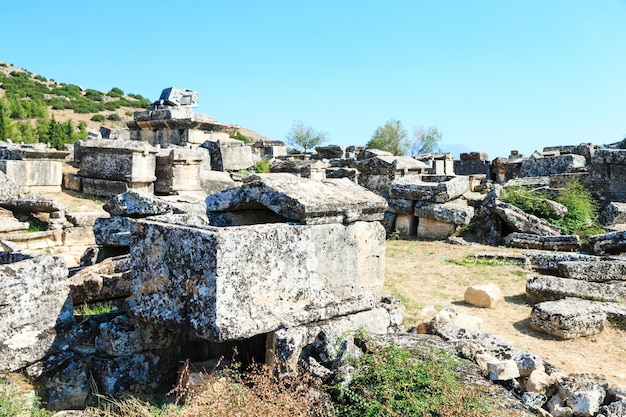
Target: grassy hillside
{"points": [[36, 109]]}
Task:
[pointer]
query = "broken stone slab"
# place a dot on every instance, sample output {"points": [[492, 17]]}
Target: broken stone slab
{"points": [[568, 318], [523, 222], [586, 402], [390, 164], [32, 203], [598, 271], [136, 205], [68, 388], [290, 345], [233, 283], [432, 188], [446, 213], [487, 295], [549, 288], [106, 280], [112, 231], [613, 215], [342, 172], [84, 219], [34, 303], [300, 200], [565, 243], [331, 151], [314, 169], [108, 188], [608, 243], [552, 165], [549, 260]]}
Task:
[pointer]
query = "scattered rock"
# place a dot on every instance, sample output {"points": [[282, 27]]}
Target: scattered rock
{"points": [[487, 295]]}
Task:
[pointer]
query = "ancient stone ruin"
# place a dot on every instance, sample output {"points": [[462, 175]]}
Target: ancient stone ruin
{"points": [[200, 257]]}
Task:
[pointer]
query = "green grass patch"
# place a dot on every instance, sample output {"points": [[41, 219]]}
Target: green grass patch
{"points": [[94, 309], [471, 260], [15, 402], [401, 382]]}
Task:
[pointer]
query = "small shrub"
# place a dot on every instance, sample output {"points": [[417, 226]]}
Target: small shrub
{"points": [[115, 92], [262, 167], [98, 118], [114, 117], [36, 226]]}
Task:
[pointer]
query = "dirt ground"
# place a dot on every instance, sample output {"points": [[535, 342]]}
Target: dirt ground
{"points": [[421, 274]]}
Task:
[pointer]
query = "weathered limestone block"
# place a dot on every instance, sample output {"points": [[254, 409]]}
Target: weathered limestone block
{"points": [[214, 181], [178, 171], [549, 260], [68, 388], [488, 226], [446, 213], [472, 167], [614, 215], [548, 288], [236, 282], [523, 222], [568, 318], [608, 243], [270, 148], [290, 345], [406, 224], [586, 402], [557, 408], [107, 188], [505, 169], [72, 182], [503, 370], [551, 165], [534, 400], [599, 271], [84, 218], [136, 205], [300, 200], [566, 243], [342, 172], [527, 363], [37, 175], [34, 300], [112, 231], [540, 382], [433, 229], [487, 295], [331, 151], [609, 156], [615, 409], [106, 280], [390, 164], [433, 188], [401, 206], [129, 161], [229, 154], [31, 203], [313, 169]]}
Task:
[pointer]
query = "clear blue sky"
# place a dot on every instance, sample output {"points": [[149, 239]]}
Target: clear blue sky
{"points": [[491, 75]]}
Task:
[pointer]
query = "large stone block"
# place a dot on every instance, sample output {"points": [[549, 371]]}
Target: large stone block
{"points": [[614, 215], [548, 288], [523, 222], [434, 229], [612, 242], [236, 282], [433, 188], [178, 171], [565, 243], [552, 165], [568, 318], [43, 175], [34, 300], [229, 154], [600, 271], [447, 213]]}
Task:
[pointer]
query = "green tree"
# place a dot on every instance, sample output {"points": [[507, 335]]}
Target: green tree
{"points": [[3, 130], [392, 137], [305, 137], [425, 140]]}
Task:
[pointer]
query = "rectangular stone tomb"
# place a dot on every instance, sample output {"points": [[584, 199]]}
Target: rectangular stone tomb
{"points": [[121, 160], [433, 188], [233, 283]]}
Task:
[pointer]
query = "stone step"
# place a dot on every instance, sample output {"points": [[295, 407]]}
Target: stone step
{"points": [[563, 243]]}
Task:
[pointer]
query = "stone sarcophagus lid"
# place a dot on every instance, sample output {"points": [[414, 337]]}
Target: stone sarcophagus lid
{"points": [[316, 251], [109, 167]]}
